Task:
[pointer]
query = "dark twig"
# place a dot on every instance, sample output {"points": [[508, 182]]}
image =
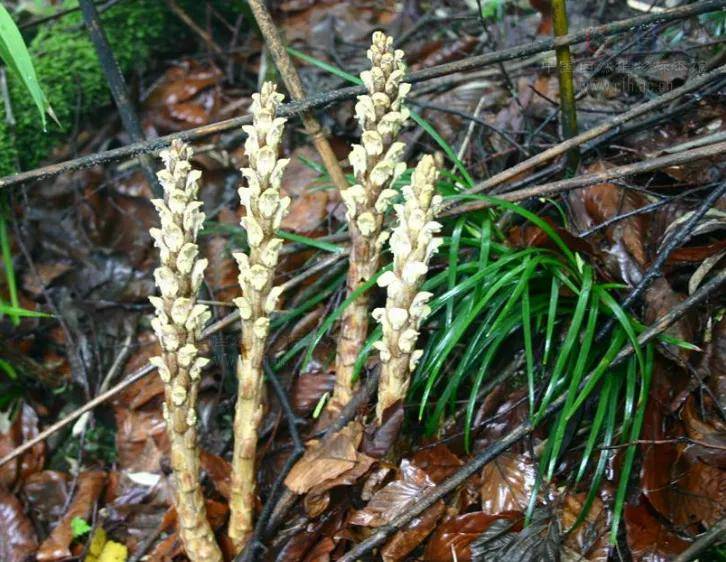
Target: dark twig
{"points": [[289, 74], [175, 9], [641, 211], [298, 448], [713, 535], [470, 63], [117, 85], [585, 180], [609, 125], [431, 496], [678, 238]]}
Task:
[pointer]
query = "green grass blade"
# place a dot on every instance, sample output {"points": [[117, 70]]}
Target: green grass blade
{"points": [[551, 318], [312, 242], [627, 467], [16, 56], [453, 264]]}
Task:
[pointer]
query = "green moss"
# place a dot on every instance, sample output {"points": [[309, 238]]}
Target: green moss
{"points": [[71, 77]]}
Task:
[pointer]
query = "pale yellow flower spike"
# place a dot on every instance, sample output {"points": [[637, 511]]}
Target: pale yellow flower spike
{"points": [[412, 244], [178, 325], [376, 163], [265, 209]]}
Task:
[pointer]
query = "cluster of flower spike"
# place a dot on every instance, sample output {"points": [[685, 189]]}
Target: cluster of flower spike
{"points": [[179, 319], [265, 209], [412, 244], [178, 324], [377, 160]]}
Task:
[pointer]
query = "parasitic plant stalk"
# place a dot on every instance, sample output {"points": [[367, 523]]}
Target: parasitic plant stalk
{"points": [[178, 325], [376, 165], [265, 209], [412, 244]]}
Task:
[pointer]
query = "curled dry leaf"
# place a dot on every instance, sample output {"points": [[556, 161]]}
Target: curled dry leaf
{"points": [[507, 483], [88, 489], [23, 427], [393, 499], [17, 536], [308, 389], [710, 430], [648, 539], [219, 471], [408, 538], [452, 539], [326, 459]]}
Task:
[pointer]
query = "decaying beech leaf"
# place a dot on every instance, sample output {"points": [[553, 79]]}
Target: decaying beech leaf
{"points": [[648, 539], [408, 538], [17, 536], [507, 483], [453, 537], [88, 489], [326, 459], [393, 499]]}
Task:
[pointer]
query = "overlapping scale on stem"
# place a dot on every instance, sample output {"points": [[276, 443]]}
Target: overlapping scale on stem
{"points": [[413, 242], [265, 208], [376, 163], [178, 324]]}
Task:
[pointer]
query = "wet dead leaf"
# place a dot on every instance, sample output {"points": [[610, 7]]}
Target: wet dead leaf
{"points": [[393, 499], [450, 542], [438, 462], [46, 494], [407, 539], [17, 536], [23, 427], [648, 539], [88, 489], [507, 483]]}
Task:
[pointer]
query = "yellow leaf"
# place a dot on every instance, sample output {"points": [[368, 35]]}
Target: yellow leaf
{"points": [[113, 552]]}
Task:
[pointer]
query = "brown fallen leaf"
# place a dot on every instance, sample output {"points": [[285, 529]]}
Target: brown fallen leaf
{"points": [[88, 489], [17, 535], [408, 538], [219, 471], [46, 494], [648, 539], [450, 542], [45, 273], [308, 389], [507, 483], [590, 540], [307, 212], [23, 427], [393, 499], [438, 462], [326, 459]]}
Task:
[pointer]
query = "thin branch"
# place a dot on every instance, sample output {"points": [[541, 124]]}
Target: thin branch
{"points": [[294, 86], [599, 130], [431, 496], [713, 535], [679, 237], [585, 180], [320, 100], [117, 85], [205, 36]]}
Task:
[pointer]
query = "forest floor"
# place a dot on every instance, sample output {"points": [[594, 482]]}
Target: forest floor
{"points": [[482, 438]]}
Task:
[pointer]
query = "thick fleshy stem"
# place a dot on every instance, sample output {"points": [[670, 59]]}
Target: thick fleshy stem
{"points": [[412, 244], [265, 209], [178, 325], [376, 165]]}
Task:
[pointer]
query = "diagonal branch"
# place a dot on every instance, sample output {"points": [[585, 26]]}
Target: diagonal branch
{"points": [[320, 100], [117, 85], [294, 86]]}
